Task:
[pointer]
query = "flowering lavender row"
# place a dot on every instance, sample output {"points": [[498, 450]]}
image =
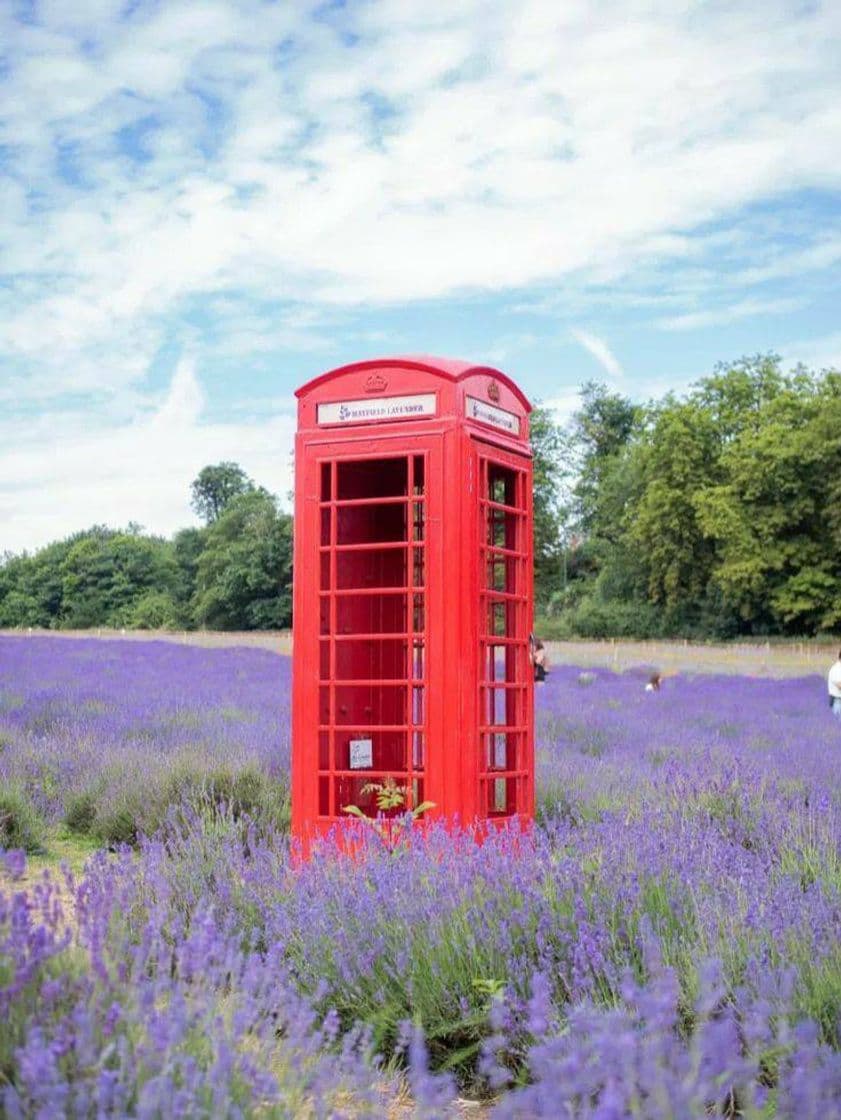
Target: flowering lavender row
{"points": [[190, 985], [126, 725], [665, 943], [135, 1014]]}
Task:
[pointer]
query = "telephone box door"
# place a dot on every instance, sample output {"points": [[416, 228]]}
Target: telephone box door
{"points": [[375, 515], [503, 518]]}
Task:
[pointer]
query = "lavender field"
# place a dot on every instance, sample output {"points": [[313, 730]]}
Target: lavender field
{"points": [[665, 943]]}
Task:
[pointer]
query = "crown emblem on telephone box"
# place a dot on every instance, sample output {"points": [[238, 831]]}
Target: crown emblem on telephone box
{"points": [[493, 391], [375, 383]]}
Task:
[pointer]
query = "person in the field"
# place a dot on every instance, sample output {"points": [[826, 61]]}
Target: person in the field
{"points": [[539, 661], [833, 684], [654, 682]]}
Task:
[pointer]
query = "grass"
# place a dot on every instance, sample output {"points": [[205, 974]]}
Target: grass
{"points": [[60, 846]]}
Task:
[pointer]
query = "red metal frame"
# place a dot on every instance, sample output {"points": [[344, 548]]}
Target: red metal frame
{"points": [[413, 593]]}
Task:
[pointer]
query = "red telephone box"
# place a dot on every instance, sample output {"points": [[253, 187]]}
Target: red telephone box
{"points": [[412, 593]]}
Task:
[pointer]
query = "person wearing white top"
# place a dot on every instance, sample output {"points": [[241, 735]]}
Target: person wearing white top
{"points": [[833, 682]]}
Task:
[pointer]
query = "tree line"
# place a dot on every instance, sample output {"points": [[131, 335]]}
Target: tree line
{"points": [[715, 513], [234, 573]]}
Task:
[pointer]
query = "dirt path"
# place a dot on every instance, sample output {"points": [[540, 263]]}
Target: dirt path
{"points": [[760, 659]]}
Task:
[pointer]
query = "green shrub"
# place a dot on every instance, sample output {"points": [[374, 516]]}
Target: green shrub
{"points": [[155, 610], [21, 825], [553, 628], [597, 618], [119, 824], [249, 792], [122, 813], [80, 814]]}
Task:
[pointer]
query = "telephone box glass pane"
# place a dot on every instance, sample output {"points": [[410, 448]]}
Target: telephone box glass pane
{"points": [[418, 614], [417, 705], [372, 478], [371, 614], [496, 706], [367, 523], [355, 791], [418, 519], [376, 567], [386, 751], [497, 668], [370, 706], [418, 571], [502, 529], [502, 485], [498, 619], [496, 750], [371, 659], [323, 797], [500, 795], [418, 474]]}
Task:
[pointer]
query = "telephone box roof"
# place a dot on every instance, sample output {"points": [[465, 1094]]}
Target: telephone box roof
{"points": [[452, 368]]}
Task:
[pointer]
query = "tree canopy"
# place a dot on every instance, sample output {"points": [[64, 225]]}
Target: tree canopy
{"points": [[711, 514], [216, 487], [244, 571]]}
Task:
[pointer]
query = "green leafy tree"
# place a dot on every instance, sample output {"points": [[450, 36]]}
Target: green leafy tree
{"points": [[105, 574], [551, 466], [596, 450], [677, 458], [18, 606], [244, 573], [601, 431], [154, 610], [772, 517], [32, 586], [187, 547], [736, 393], [216, 487]]}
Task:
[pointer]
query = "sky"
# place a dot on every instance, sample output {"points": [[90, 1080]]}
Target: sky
{"points": [[205, 204]]}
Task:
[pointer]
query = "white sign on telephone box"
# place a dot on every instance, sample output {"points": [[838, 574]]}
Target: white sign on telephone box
{"points": [[361, 754]]}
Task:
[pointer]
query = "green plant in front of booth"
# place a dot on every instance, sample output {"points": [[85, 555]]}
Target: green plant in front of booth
{"points": [[389, 796]]}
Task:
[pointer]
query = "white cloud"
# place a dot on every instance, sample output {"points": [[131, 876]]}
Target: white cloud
{"points": [[139, 471], [515, 145], [716, 316], [563, 405], [372, 154], [600, 350], [825, 254], [823, 352]]}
